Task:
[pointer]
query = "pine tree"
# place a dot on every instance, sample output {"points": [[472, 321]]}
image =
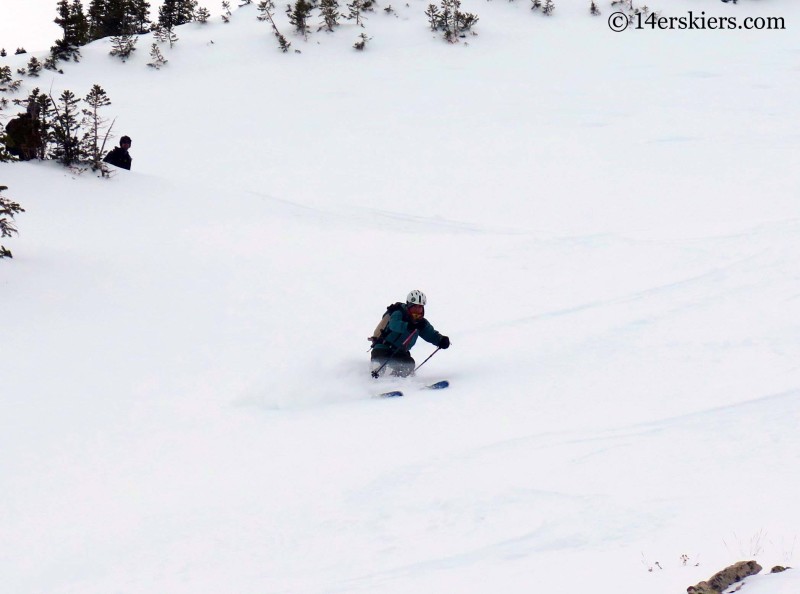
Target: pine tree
{"points": [[96, 17], [163, 35], [329, 9], [266, 8], [450, 19], [63, 19], [174, 13], [5, 156], [3, 53], [8, 210], [64, 133], [118, 20], [79, 23], [361, 42], [355, 10], [266, 12], [593, 9], [201, 15], [139, 11], [123, 46], [51, 63], [158, 60], [34, 66], [299, 15], [548, 7], [434, 16], [75, 29], [226, 11], [40, 107], [94, 140]]}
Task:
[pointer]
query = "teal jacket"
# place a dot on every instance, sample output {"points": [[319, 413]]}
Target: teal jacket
{"points": [[399, 328]]}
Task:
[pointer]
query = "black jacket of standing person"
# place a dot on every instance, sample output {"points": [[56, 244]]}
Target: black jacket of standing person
{"points": [[119, 157]]}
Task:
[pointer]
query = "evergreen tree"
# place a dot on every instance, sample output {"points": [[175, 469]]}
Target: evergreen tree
{"points": [[94, 139], [40, 109], [115, 18], [266, 12], [434, 16], [79, 24], [140, 16], [96, 18], [548, 7], [163, 35], [299, 15], [226, 11], [201, 15], [593, 9], [176, 12], [3, 53], [157, 58], [450, 19], [64, 134], [5, 156], [355, 10], [266, 8], [123, 46], [8, 210], [50, 63], [34, 66], [361, 43], [329, 9], [118, 20], [75, 30], [63, 19]]}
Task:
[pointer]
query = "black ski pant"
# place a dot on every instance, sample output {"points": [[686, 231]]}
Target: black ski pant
{"points": [[399, 365]]}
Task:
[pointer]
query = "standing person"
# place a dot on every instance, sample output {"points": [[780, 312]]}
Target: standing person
{"points": [[24, 137], [119, 157], [398, 331]]}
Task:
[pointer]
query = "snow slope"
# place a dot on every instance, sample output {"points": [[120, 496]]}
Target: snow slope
{"points": [[605, 224]]}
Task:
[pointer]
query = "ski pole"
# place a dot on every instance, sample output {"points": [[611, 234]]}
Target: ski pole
{"points": [[377, 372], [426, 360]]}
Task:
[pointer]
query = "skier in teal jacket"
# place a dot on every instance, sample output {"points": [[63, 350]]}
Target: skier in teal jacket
{"points": [[397, 333]]}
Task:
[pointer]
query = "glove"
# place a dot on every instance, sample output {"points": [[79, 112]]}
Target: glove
{"points": [[444, 342]]}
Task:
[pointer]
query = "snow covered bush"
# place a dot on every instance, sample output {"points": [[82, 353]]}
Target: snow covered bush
{"points": [[361, 43], [449, 19], [8, 210]]}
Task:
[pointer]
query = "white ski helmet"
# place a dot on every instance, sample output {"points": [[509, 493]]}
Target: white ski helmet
{"points": [[416, 298]]}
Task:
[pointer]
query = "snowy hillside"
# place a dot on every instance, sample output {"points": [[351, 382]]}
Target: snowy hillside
{"points": [[606, 225]]}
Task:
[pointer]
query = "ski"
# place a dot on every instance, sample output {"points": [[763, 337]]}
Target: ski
{"points": [[392, 394], [397, 393]]}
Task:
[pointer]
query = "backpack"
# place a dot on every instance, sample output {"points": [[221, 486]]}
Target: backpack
{"points": [[380, 329]]}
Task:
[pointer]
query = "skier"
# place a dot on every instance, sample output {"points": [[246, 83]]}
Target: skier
{"points": [[119, 157], [397, 332]]}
